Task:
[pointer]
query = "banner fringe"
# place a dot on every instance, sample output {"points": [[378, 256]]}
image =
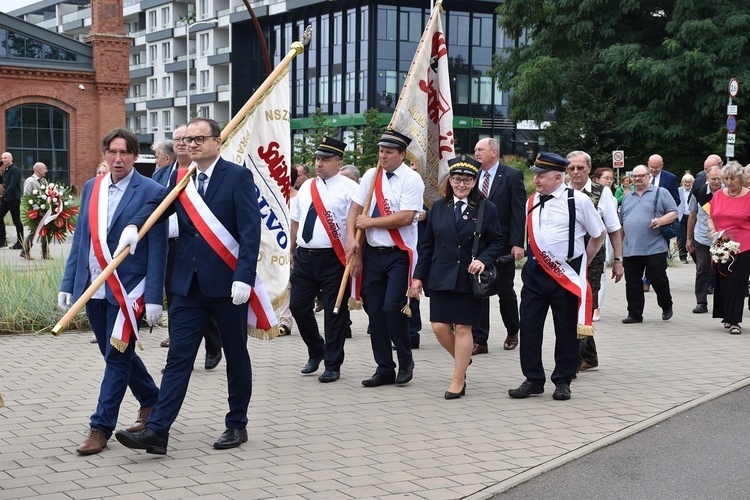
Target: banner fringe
{"points": [[354, 304], [118, 344], [258, 333], [585, 331]]}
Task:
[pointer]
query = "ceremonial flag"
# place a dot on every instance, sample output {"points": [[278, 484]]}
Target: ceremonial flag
{"points": [[424, 110], [262, 143]]}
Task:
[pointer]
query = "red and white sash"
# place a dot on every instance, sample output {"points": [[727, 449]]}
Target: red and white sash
{"points": [[260, 314], [404, 237], [559, 270], [333, 224], [131, 303]]}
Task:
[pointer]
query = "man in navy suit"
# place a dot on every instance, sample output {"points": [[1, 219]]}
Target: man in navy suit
{"points": [[176, 151], [220, 204], [663, 178], [504, 187], [113, 200]]}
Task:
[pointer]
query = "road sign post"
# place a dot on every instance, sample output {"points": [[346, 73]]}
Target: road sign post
{"points": [[734, 90]]}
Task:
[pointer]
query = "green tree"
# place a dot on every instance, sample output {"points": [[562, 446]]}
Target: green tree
{"points": [[643, 75], [367, 144], [304, 149]]}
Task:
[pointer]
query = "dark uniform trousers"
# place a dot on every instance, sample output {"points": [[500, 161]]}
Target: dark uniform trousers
{"points": [[122, 369], [385, 278], [541, 292], [211, 334], [314, 271], [655, 267], [189, 315]]}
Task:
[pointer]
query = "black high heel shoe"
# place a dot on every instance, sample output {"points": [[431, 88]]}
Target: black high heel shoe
{"points": [[456, 395]]}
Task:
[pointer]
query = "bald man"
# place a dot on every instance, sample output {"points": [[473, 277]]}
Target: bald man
{"points": [[11, 199], [712, 160], [663, 178], [31, 183]]}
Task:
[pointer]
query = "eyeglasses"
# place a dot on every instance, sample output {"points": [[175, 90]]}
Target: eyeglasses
{"points": [[198, 139], [638, 176], [113, 154], [466, 181], [577, 167]]}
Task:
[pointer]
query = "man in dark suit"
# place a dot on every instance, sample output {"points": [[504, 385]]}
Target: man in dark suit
{"points": [[113, 200], [176, 152], [214, 271], [503, 186], [663, 178], [10, 200]]}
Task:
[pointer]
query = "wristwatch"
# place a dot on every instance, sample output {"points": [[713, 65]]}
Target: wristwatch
{"points": [[618, 259]]}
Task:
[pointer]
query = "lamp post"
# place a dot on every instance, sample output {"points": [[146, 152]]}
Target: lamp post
{"points": [[187, 35]]}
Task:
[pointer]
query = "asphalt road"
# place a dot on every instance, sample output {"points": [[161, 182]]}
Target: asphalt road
{"points": [[699, 454]]}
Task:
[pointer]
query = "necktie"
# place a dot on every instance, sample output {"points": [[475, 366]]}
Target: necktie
{"points": [[540, 203], [376, 211], [307, 230], [486, 185], [458, 211], [201, 184], [653, 181]]}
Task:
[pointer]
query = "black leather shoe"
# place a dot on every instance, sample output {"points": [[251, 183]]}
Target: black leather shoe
{"points": [[700, 309], [379, 379], [666, 315], [311, 366], [562, 392], [330, 376], [145, 439], [526, 389], [212, 360], [17, 246], [231, 438], [632, 319], [405, 374], [456, 395]]}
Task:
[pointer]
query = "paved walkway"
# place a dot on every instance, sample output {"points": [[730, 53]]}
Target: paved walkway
{"points": [[310, 440]]}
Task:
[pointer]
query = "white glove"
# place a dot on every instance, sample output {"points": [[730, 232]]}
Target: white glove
{"points": [[240, 292], [129, 236], [153, 313], [63, 300]]}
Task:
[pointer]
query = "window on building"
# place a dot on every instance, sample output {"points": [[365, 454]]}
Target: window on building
{"points": [[166, 120], [350, 86], [323, 92], [386, 23], [203, 112], [152, 54], [166, 86], [351, 26], [154, 118], [324, 31], [203, 8], [205, 81], [152, 20], [336, 87], [136, 58], [38, 132], [140, 126], [204, 44], [14, 44], [337, 29], [153, 88], [166, 18], [411, 25], [166, 52]]}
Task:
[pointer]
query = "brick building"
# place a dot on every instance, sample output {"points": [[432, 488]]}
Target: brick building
{"points": [[58, 96]]}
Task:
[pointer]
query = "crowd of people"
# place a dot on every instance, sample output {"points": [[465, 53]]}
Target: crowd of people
{"points": [[395, 250]]}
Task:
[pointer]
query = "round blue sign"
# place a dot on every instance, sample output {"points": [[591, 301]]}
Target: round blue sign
{"points": [[732, 124]]}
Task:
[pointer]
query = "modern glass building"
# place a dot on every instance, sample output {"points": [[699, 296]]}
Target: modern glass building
{"points": [[357, 59]]}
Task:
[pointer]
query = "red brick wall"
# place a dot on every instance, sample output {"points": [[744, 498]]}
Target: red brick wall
{"points": [[94, 111]]}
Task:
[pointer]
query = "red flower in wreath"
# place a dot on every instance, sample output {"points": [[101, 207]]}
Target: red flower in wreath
{"points": [[32, 214]]}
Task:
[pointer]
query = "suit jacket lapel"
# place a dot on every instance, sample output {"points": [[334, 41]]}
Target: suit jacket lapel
{"points": [[497, 181], [215, 180], [469, 214]]}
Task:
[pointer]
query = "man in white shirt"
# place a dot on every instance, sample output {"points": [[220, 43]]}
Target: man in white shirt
{"points": [[388, 259], [30, 184], [318, 234]]}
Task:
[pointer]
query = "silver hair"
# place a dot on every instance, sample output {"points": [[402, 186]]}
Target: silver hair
{"points": [[351, 172], [166, 147], [734, 169], [580, 153]]}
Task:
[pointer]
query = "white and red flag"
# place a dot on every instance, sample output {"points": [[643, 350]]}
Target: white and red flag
{"points": [[262, 143], [424, 110]]}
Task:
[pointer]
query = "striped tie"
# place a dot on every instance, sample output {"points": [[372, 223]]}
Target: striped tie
{"points": [[486, 185]]}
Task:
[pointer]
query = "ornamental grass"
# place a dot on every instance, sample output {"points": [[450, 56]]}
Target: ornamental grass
{"points": [[29, 297]]}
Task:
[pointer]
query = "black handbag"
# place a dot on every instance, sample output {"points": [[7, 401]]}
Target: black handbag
{"points": [[482, 284], [670, 231]]}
